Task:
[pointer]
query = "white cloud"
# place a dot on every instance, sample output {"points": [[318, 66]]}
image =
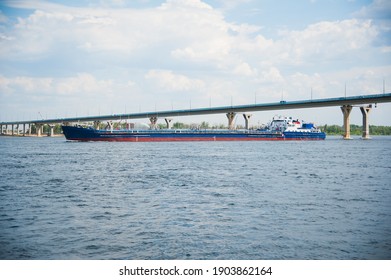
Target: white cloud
{"points": [[386, 49], [191, 23], [245, 69], [3, 18], [271, 75], [112, 3], [65, 96], [83, 84], [201, 51], [232, 4], [378, 9], [187, 31], [167, 80], [18, 84], [37, 35], [358, 81], [324, 41], [185, 5]]}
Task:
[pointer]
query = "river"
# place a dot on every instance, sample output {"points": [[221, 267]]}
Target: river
{"points": [[195, 200]]}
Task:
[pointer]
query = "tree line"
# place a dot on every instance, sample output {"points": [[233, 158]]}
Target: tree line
{"points": [[356, 129]]}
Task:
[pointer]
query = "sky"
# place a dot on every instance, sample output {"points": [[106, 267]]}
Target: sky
{"points": [[83, 58]]}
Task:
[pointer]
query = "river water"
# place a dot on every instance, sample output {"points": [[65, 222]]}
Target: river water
{"points": [[204, 200]]}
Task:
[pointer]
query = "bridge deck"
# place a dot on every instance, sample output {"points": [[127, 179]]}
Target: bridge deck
{"points": [[327, 102]]}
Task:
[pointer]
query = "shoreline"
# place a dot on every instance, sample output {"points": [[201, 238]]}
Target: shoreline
{"points": [[42, 136]]}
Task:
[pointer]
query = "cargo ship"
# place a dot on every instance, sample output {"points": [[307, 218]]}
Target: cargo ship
{"points": [[279, 129]]}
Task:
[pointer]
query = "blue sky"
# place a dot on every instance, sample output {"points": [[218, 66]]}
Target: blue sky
{"points": [[79, 58]]}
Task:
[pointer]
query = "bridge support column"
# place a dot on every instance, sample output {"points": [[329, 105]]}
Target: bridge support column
{"points": [[51, 133], [29, 133], [365, 123], [153, 121], [39, 128], [12, 129], [168, 122], [231, 118], [247, 120], [96, 124], [346, 109], [17, 129], [24, 129], [110, 125]]}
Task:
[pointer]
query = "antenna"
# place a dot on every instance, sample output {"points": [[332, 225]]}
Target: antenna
{"points": [[384, 86], [345, 90]]}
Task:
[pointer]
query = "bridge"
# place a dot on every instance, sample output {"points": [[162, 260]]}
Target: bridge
{"points": [[346, 103]]}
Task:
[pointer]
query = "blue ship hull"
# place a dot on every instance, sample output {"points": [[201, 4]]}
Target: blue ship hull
{"points": [[299, 135], [77, 133]]}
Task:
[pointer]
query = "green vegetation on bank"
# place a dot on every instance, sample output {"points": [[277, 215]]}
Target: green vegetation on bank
{"points": [[356, 129], [46, 129]]}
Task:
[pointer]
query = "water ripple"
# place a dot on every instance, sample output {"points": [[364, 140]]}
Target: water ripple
{"points": [[298, 200]]}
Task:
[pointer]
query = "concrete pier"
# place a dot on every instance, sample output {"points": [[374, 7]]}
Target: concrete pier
{"points": [[168, 122], [110, 125], [38, 128], [51, 133], [346, 109], [96, 124], [247, 120], [153, 121], [231, 118], [365, 123]]}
